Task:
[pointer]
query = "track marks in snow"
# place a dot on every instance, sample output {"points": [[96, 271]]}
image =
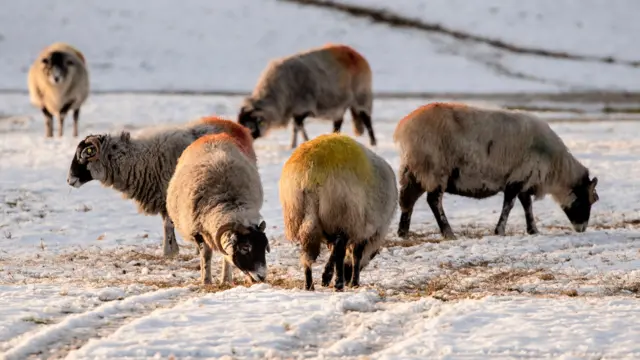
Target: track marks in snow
{"points": [[56, 339]]}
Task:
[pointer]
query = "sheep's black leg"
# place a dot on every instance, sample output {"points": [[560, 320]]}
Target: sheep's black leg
{"points": [[434, 199], [410, 192], [298, 125], [366, 120], [510, 193], [357, 256], [525, 200], [327, 274], [205, 259], [48, 122], [76, 117], [337, 125], [338, 252], [169, 242]]}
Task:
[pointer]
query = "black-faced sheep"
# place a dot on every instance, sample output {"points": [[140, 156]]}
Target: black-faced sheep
{"points": [[141, 167], [477, 153], [335, 190], [321, 82], [58, 82], [214, 199]]}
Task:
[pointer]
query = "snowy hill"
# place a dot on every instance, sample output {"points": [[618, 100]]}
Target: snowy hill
{"points": [[223, 45]]}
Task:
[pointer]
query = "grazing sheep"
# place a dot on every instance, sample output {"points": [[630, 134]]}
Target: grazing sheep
{"points": [[141, 167], [58, 82], [334, 189], [214, 199], [321, 82], [477, 153]]}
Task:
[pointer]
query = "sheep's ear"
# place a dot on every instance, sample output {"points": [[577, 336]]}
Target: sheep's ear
{"points": [[593, 194], [268, 248], [262, 226], [125, 136]]}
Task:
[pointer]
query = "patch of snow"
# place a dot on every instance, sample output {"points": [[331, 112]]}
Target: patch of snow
{"points": [[33, 342]]}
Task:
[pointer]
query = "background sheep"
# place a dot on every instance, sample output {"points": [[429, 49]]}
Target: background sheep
{"points": [[214, 199], [334, 189], [477, 153], [141, 167], [58, 82], [321, 82]]}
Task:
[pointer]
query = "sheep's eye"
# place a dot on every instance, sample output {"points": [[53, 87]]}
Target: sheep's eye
{"points": [[69, 63], [245, 248], [90, 151], [260, 121]]}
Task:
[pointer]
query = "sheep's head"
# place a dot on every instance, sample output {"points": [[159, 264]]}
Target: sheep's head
{"points": [[254, 117], [58, 67], [90, 162], [245, 247], [582, 197]]}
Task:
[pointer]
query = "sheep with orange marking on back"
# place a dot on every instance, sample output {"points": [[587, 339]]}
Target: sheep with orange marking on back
{"points": [[320, 82], [140, 167], [214, 199], [58, 82], [475, 152], [334, 190]]}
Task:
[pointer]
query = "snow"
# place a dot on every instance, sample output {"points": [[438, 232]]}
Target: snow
{"points": [[584, 27], [81, 271], [72, 258], [260, 323], [145, 45]]}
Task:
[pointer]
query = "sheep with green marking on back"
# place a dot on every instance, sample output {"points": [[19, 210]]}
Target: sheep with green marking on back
{"points": [[334, 190]]}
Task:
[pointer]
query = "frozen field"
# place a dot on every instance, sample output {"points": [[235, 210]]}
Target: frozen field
{"points": [[81, 274]]}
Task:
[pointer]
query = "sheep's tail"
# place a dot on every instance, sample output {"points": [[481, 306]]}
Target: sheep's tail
{"points": [[301, 223]]}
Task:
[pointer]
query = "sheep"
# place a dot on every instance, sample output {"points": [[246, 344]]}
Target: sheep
{"points": [[320, 82], [335, 190], [476, 153], [214, 198], [58, 82], [141, 167]]}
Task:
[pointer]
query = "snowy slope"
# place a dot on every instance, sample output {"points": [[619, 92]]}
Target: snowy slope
{"points": [[585, 27], [223, 45]]}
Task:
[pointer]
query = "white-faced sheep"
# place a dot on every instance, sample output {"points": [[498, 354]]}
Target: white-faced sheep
{"points": [[214, 199], [335, 190], [58, 82], [474, 152], [321, 82], [141, 167]]}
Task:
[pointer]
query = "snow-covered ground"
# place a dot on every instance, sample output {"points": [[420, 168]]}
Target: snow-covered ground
{"points": [[81, 272], [223, 45]]}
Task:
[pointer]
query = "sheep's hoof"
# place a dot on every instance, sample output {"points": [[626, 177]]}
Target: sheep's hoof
{"points": [[309, 287], [339, 287], [449, 236], [326, 279], [206, 281], [499, 232], [532, 231]]}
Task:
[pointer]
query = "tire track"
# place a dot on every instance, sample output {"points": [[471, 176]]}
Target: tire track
{"points": [[57, 340]]}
